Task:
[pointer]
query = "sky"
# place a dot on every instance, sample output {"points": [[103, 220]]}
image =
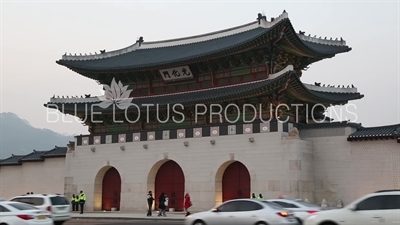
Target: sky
{"points": [[34, 34]]}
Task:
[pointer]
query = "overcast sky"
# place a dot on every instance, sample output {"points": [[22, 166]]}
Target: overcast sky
{"points": [[35, 34]]}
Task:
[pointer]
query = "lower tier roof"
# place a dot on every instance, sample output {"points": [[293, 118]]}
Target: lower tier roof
{"points": [[286, 79]]}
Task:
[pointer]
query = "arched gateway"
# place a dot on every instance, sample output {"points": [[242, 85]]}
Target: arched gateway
{"points": [[170, 180], [235, 182], [111, 190]]}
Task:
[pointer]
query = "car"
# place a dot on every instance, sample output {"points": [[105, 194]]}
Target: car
{"points": [[243, 212], [16, 213], [56, 204], [382, 207], [300, 208]]}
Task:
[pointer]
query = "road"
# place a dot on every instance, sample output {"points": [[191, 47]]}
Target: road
{"points": [[119, 222]]}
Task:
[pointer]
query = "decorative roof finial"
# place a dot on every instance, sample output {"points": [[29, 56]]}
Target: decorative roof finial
{"points": [[259, 17], [102, 51], [140, 41], [302, 32]]}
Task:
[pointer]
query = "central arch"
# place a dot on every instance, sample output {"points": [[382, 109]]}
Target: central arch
{"points": [[170, 180], [235, 182], [111, 190]]}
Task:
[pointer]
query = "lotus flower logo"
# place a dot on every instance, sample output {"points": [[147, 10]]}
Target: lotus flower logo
{"points": [[116, 94]]}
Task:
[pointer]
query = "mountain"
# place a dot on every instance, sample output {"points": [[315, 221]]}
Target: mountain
{"points": [[18, 137]]}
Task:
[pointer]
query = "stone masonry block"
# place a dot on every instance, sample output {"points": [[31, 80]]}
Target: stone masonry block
{"points": [[294, 165], [274, 185]]}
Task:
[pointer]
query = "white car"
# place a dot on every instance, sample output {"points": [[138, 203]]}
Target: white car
{"points": [[243, 212], [57, 205], [379, 208], [300, 208], [16, 213]]}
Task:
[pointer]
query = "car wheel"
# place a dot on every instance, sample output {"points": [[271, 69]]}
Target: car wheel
{"points": [[261, 223], [328, 223], [58, 222], [299, 221], [3, 224], [199, 222]]}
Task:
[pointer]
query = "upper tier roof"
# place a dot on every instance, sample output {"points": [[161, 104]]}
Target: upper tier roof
{"points": [[169, 53]]}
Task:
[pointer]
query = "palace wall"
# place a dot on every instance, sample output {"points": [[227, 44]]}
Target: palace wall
{"points": [[348, 170], [320, 164], [38, 177], [277, 165]]}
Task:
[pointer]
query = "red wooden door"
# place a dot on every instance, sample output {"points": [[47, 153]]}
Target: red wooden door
{"points": [[170, 180], [235, 182], [111, 192]]}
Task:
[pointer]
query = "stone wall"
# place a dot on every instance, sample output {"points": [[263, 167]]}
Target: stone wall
{"points": [[348, 170], [277, 164], [38, 177]]}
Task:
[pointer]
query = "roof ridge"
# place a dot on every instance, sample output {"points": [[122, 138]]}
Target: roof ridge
{"points": [[384, 126]]}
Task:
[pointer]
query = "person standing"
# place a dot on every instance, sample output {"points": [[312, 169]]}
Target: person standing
{"points": [[77, 202], [253, 196], [187, 204], [73, 203], [161, 204], [150, 200], [82, 200], [260, 197]]}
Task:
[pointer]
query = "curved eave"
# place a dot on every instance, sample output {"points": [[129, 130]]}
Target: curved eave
{"points": [[298, 90], [207, 96], [218, 95], [258, 37], [250, 39]]}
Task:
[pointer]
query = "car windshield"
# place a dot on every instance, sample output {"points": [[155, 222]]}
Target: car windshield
{"points": [[59, 200], [273, 205], [21, 206], [307, 204]]}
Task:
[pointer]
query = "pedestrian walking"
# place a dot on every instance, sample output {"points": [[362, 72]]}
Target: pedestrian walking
{"points": [[187, 204], [82, 200], [161, 204], [150, 200], [166, 201]]}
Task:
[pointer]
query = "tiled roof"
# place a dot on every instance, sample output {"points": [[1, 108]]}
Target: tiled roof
{"points": [[381, 132], [34, 156], [56, 152], [165, 54], [220, 94], [13, 160]]}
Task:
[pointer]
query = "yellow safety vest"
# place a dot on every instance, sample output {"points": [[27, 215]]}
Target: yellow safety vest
{"points": [[82, 197]]}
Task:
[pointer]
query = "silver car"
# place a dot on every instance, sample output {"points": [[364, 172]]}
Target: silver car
{"points": [[243, 212], [301, 209]]}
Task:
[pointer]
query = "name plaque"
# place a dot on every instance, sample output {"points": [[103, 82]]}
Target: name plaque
{"points": [[176, 73]]}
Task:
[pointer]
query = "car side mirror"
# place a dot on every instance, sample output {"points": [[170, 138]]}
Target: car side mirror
{"points": [[214, 210]]}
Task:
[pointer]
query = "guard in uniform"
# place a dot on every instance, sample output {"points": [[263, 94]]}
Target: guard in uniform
{"points": [[82, 200]]}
